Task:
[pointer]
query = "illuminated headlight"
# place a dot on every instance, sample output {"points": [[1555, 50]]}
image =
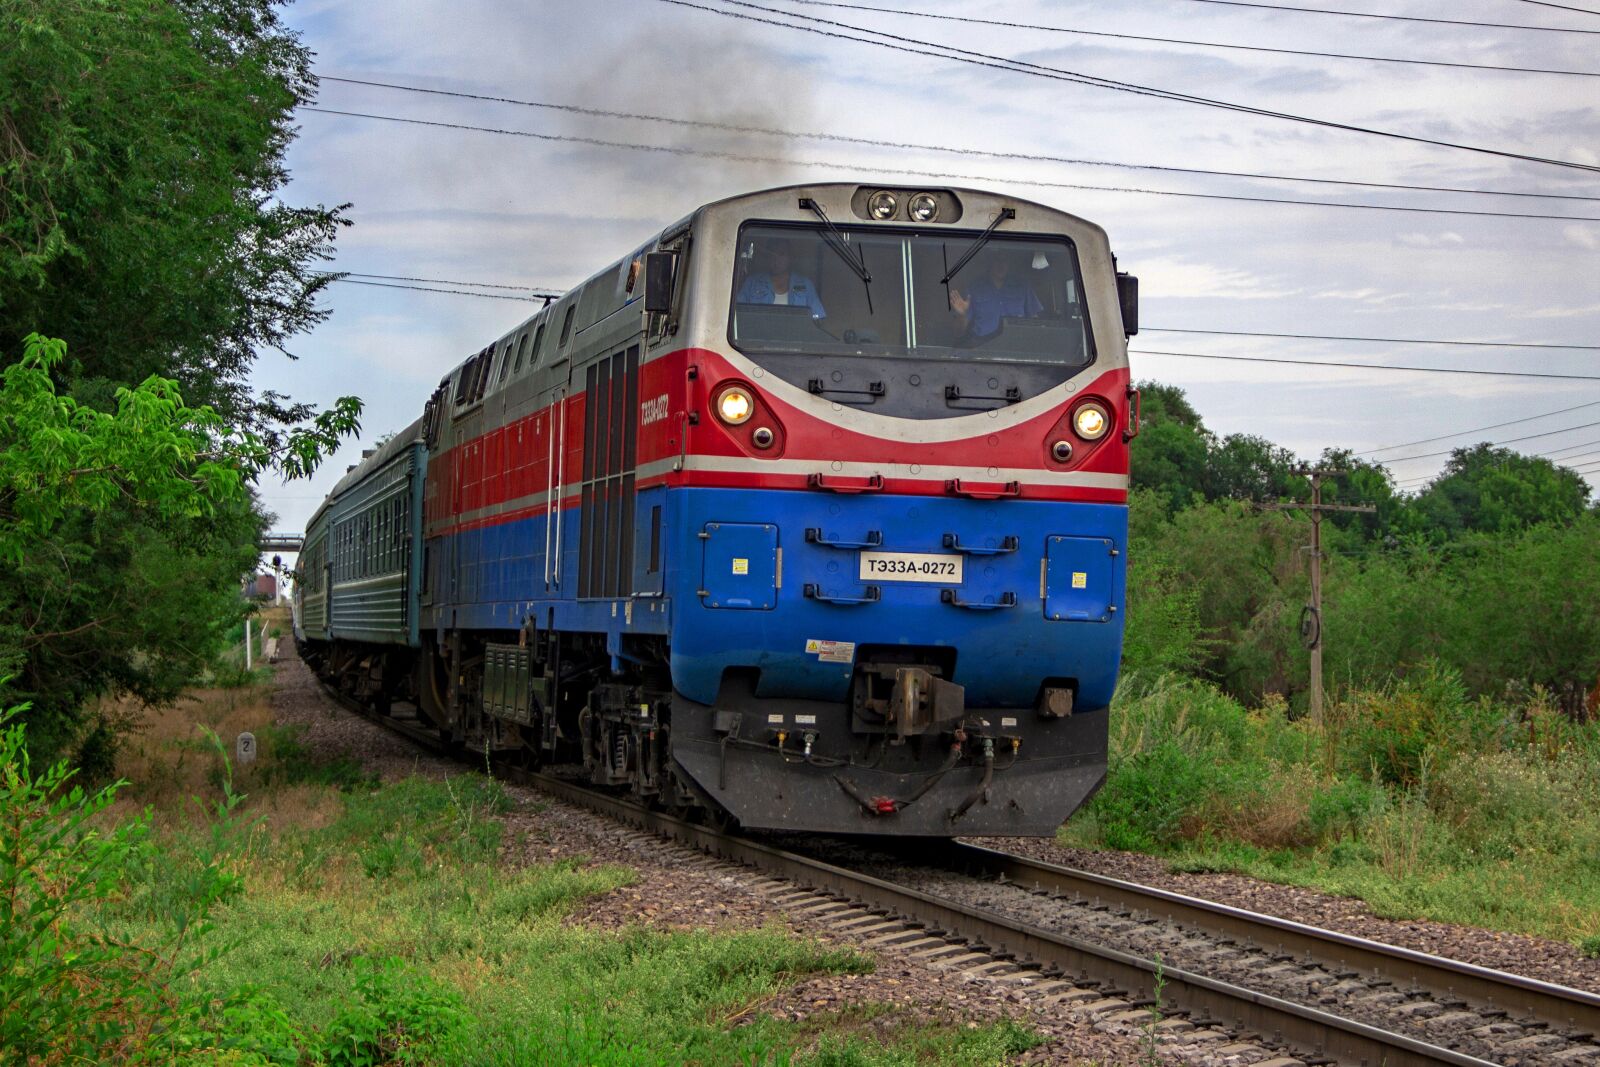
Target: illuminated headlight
{"points": [[883, 205], [924, 207], [734, 405], [1091, 422]]}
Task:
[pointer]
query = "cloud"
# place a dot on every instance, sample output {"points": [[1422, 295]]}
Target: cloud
{"points": [[473, 206], [1168, 278], [1587, 237], [1447, 239]]}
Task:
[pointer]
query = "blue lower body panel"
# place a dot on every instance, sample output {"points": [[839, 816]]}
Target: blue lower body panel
{"points": [[994, 621]]}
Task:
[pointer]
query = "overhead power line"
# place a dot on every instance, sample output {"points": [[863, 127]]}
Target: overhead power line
{"points": [[540, 289], [428, 289], [1560, 7], [1497, 444], [1369, 366], [1032, 26], [1478, 429], [1391, 18], [1146, 329], [1571, 448], [1375, 340], [742, 157], [915, 46], [803, 135]]}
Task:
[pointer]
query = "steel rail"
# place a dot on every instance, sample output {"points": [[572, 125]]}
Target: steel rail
{"points": [[1197, 995], [1557, 1005], [1318, 1034]]}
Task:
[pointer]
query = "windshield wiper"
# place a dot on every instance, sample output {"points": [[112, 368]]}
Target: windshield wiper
{"points": [[835, 240], [977, 246]]}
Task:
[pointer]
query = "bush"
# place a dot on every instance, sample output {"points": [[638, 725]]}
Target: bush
{"points": [[70, 991], [398, 1016], [1427, 718]]}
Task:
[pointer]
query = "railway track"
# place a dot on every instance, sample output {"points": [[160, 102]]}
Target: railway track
{"points": [[1315, 995]]}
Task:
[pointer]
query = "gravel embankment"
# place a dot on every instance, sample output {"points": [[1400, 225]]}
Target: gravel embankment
{"points": [[1549, 961], [677, 889]]}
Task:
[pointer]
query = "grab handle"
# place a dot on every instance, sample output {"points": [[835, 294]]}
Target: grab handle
{"points": [[815, 536], [1007, 544], [1007, 600], [870, 595], [841, 484], [983, 490]]}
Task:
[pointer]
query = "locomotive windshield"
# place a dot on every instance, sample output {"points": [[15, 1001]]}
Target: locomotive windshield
{"points": [[881, 292]]}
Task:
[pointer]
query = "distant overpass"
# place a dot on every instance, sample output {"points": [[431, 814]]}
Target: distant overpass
{"points": [[278, 541]]}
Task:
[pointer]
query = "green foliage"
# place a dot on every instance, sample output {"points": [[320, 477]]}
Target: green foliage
{"points": [[912, 1045], [142, 147], [286, 760], [142, 150], [1416, 797], [72, 986], [1485, 489], [1176, 457], [396, 1018], [123, 534], [1394, 733], [1163, 632]]}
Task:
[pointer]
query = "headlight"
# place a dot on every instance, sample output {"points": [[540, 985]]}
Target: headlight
{"points": [[734, 405], [924, 207], [883, 205], [1091, 421]]}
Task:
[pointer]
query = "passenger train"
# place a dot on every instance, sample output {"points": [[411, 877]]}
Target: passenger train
{"points": [[810, 513]]}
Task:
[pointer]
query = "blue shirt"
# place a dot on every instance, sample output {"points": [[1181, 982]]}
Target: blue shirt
{"points": [[991, 303], [757, 289]]}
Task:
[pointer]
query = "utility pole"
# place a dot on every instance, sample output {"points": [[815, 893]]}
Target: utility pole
{"points": [[1311, 618]]}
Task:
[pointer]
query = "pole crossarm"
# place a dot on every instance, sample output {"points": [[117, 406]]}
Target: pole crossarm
{"points": [[1366, 509]]}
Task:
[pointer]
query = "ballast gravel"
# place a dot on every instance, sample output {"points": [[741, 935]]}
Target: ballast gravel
{"points": [[679, 889], [1533, 957]]}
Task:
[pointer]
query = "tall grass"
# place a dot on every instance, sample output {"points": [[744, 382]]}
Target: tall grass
{"points": [[327, 918], [1415, 797]]}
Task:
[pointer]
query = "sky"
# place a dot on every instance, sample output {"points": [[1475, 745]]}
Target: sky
{"points": [[440, 203]]}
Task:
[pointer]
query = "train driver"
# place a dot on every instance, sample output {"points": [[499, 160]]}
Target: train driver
{"points": [[991, 298], [779, 285]]}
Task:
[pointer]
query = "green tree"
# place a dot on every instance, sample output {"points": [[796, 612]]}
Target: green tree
{"points": [[143, 220], [1170, 454], [1245, 467], [141, 162], [1163, 633], [122, 538], [1485, 489], [1528, 610]]}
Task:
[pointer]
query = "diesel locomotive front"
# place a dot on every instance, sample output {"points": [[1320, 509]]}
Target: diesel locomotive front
{"points": [[810, 512]]}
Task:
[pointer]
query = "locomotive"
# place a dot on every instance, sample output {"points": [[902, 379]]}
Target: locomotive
{"points": [[808, 514]]}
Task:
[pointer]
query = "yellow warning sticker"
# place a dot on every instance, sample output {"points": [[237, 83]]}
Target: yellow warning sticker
{"points": [[741, 565], [831, 651], [1080, 579]]}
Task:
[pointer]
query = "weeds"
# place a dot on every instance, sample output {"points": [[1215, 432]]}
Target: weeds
{"points": [[1418, 798], [1151, 1031], [73, 986]]}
